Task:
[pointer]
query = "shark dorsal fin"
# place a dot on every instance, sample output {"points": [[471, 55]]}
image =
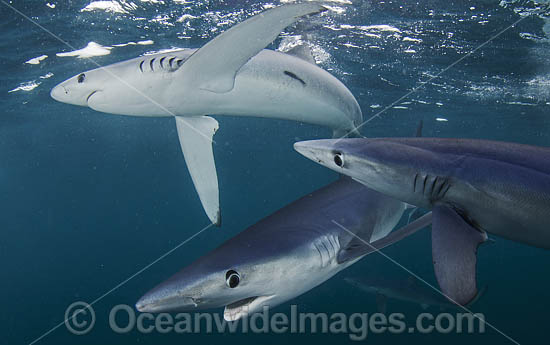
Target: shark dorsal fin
{"points": [[302, 51], [214, 66]]}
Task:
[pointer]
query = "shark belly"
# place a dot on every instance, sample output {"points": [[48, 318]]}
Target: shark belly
{"points": [[277, 85], [232, 74]]}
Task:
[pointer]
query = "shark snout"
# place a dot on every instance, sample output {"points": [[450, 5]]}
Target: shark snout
{"points": [[70, 93], [317, 150], [150, 304], [165, 299], [59, 93], [143, 306], [324, 152]]}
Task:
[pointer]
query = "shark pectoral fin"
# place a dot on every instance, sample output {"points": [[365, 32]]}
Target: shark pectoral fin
{"points": [[454, 249], [195, 135], [355, 251], [214, 66], [381, 303]]}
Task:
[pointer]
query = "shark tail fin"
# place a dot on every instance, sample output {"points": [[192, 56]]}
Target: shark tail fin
{"points": [[195, 135]]}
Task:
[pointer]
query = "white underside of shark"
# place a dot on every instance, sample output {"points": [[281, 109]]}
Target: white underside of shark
{"points": [[231, 75]]}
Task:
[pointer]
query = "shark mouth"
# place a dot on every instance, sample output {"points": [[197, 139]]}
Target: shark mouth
{"points": [[90, 95], [243, 307]]}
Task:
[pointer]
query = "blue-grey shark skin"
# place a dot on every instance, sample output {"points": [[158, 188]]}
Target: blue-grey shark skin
{"points": [[266, 86], [232, 74], [474, 187], [502, 188], [282, 256]]}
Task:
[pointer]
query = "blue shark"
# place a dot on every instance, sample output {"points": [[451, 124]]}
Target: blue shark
{"points": [[230, 75], [286, 254], [473, 187]]}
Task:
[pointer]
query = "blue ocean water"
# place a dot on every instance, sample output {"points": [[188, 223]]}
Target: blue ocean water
{"points": [[89, 199]]}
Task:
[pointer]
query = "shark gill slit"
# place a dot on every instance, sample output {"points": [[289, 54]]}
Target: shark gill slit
{"points": [[170, 62], [151, 64], [414, 183], [326, 248], [141, 65], [425, 181], [445, 188], [161, 61], [438, 192], [325, 255], [332, 246], [334, 239], [320, 255], [433, 185]]}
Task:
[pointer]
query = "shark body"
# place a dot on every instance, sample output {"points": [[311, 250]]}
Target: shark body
{"points": [[230, 75], [287, 253], [473, 187]]}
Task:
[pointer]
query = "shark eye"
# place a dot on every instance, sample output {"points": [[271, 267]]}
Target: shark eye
{"points": [[81, 77], [232, 279], [339, 159]]}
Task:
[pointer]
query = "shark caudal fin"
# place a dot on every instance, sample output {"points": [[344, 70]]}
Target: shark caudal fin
{"points": [[454, 250], [195, 135], [355, 250], [214, 66]]}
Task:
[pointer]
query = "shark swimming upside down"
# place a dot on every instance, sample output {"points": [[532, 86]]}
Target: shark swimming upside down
{"points": [[230, 75]]}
